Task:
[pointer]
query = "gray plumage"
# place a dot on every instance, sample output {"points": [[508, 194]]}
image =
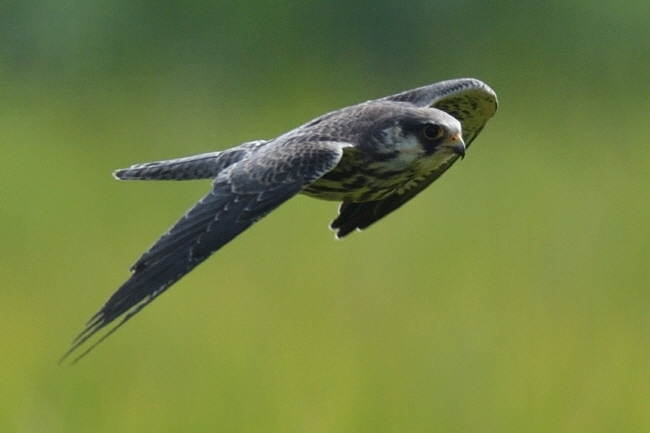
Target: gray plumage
{"points": [[372, 157]]}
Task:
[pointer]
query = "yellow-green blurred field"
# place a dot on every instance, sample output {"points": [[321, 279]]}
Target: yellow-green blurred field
{"points": [[511, 296]]}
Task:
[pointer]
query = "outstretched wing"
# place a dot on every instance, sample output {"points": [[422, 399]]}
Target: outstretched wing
{"points": [[242, 194], [470, 101]]}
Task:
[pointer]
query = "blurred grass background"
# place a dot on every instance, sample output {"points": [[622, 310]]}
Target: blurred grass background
{"points": [[511, 296]]}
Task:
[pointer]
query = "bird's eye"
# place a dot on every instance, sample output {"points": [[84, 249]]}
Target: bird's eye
{"points": [[432, 132]]}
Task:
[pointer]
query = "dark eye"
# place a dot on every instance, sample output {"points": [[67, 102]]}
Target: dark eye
{"points": [[432, 132]]}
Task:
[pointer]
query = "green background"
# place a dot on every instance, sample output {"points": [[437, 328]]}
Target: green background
{"points": [[511, 296]]}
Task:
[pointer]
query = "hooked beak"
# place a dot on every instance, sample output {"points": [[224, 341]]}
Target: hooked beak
{"points": [[456, 144]]}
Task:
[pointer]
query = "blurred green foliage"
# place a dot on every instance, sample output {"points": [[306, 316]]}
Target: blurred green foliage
{"points": [[511, 296]]}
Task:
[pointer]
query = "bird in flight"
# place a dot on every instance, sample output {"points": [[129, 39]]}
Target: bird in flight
{"points": [[372, 157]]}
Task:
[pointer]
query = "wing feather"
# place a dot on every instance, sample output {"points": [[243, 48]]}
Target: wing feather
{"points": [[242, 194]]}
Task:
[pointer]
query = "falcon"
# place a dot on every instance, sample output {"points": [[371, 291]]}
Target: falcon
{"points": [[372, 157]]}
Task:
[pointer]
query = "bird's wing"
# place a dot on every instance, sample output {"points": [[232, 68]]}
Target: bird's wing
{"points": [[470, 101], [203, 166], [241, 195]]}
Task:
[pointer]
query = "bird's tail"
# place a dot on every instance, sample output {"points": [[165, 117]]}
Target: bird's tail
{"points": [[202, 166]]}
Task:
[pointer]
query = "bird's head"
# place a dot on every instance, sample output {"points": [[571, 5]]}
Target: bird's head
{"points": [[434, 130], [419, 136]]}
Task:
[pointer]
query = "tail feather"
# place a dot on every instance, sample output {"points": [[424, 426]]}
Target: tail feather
{"points": [[202, 166]]}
